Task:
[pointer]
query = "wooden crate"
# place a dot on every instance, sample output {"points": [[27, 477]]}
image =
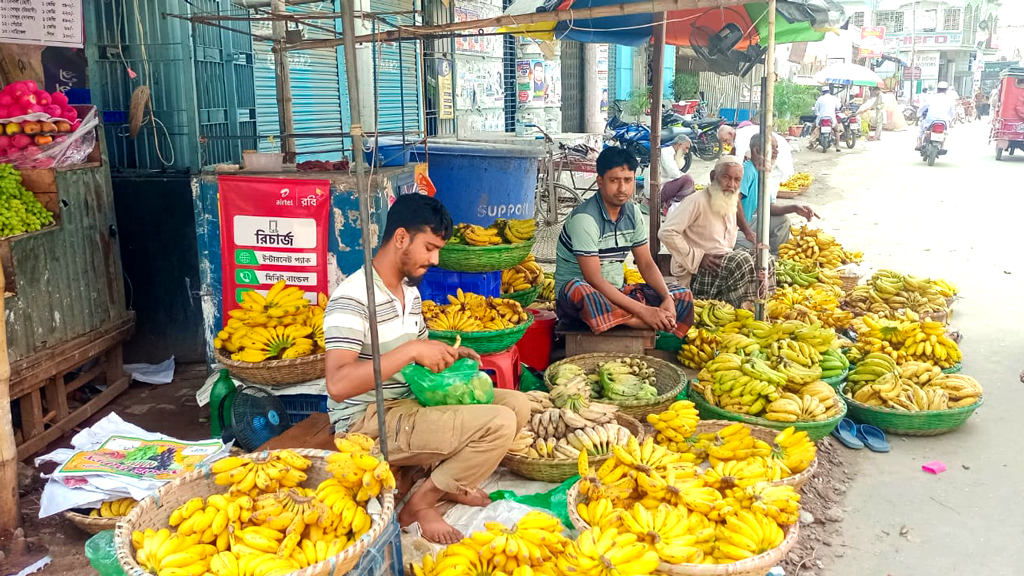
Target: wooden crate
{"points": [[41, 384]]}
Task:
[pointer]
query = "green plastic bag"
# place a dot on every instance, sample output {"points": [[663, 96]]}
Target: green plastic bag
{"points": [[531, 380], [555, 501], [461, 383]]}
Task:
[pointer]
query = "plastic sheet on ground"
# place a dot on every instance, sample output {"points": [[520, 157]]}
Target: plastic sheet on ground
{"points": [[91, 491], [162, 373]]}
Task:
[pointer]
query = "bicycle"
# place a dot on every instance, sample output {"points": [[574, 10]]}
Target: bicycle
{"points": [[549, 171]]}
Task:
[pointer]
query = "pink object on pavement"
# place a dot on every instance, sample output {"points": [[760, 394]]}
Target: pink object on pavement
{"points": [[934, 467]]}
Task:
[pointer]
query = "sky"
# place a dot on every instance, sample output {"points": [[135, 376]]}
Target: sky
{"points": [[1012, 12]]}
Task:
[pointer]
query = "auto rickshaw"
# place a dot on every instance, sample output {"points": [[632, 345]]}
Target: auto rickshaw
{"points": [[1008, 113]]}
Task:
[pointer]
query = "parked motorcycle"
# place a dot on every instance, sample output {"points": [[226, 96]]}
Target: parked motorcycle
{"points": [[851, 129], [826, 135], [636, 138], [934, 144]]}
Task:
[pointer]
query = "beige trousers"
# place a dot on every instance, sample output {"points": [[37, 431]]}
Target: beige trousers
{"points": [[461, 445]]}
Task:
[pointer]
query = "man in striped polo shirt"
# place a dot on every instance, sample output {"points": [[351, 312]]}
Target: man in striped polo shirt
{"points": [[459, 445], [592, 248]]}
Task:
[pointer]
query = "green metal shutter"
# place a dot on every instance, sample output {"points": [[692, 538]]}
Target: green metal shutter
{"points": [[572, 86], [318, 88], [396, 71]]}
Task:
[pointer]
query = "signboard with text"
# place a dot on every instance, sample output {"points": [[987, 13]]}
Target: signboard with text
{"points": [[936, 41], [273, 229], [872, 41], [46, 22]]}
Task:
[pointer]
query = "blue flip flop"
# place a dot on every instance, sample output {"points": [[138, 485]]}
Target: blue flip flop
{"points": [[873, 438], [846, 432]]}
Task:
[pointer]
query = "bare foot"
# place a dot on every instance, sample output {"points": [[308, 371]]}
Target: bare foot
{"points": [[477, 498], [405, 478], [432, 524]]}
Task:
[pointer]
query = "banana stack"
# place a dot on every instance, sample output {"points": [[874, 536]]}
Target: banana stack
{"points": [[631, 275], [905, 337], [796, 182], [547, 288], [833, 363], [811, 304], [700, 348], [895, 390], [888, 293], [467, 312], [715, 314], [114, 508], [517, 231], [565, 423], [627, 379], [812, 247], [502, 231], [815, 402], [280, 325], [792, 272], [744, 385], [945, 288], [267, 524], [675, 425], [523, 276]]}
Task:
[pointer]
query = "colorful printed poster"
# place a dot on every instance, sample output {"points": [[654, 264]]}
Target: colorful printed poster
{"points": [[445, 93], [524, 80], [538, 80], [872, 41], [273, 229], [138, 458]]}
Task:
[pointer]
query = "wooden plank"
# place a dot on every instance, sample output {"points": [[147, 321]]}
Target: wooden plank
{"points": [[114, 363], [30, 373], [314, 432], [56, 395], [576, 344], [32, 415], [86, 377], [7, 260], [33, 445]]}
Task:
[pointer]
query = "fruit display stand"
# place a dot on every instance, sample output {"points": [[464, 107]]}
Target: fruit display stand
{"points": [[66, 316]]}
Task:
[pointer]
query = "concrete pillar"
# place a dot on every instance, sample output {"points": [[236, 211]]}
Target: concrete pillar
{"points": [[593, 123]]}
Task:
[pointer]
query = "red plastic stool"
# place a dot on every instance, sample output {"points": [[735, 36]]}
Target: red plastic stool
{"points": [[503, 368]]}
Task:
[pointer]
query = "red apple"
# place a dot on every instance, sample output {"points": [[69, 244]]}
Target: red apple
{"points": [[6, 99], [53, 110], [69, 113], [42, 98], [3, 111], [30, 85], [34, 109], [59, 98], [15, 111], [5, 141], [27, 100], [21, 141]]}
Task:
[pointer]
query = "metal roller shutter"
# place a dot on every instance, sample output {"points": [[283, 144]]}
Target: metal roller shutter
{"points": [[396, 71], [572, 86]]}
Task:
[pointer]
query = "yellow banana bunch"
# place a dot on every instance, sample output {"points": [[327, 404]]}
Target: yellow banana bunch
{"points": [[516, 231], [667, 530], [608, 553], [533, 541], [746, 534], [600, 513], [547, 290], [796, 182], [474, 235], [363, 474], [523, 276], [166, 554], [813, 246], [467, 312], [700, 347], [114, 508], [715, 314], [675, 425], [794, 449], [257, 474], [272, 326]]}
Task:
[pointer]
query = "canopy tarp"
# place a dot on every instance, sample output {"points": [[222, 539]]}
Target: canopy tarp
{"points": [[799, 21]]}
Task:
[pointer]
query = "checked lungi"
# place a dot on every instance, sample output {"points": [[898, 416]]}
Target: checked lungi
{"points": [[579, 301], [736, 281]]}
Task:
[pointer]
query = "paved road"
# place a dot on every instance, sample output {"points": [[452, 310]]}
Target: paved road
{"points": [[959, 220]]}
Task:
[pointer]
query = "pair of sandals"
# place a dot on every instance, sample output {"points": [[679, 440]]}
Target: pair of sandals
{"points": [[858, 436]]}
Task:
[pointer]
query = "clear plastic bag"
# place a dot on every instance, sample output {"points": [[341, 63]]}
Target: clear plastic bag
{"points": [[462, 383]]}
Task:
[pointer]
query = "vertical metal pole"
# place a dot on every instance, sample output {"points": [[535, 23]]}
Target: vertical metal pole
{"points": [[286, 122], [763, 208], [348, 19], [913, 51], [657, 86]]}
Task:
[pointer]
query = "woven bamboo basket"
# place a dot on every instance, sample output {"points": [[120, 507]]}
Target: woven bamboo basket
{"points": [[91, 524], [558, 471], [277, 372], [849, 281], [905, 423], [154, 512], [465, 258], [815, 430], [669, 381], [768, 435], [937, 316], [756, 566], [485, 342], [524, 297]]}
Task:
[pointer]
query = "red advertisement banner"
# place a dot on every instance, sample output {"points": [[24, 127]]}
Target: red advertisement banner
{"points": [[272, 229], [872, 41]]}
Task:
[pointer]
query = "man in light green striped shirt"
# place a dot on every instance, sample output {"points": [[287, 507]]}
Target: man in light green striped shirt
{"points": [[460, 446]]}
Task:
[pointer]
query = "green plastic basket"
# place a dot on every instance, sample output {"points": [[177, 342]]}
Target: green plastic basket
{"points": [[669, 342], [837, 381], [953, 369], [524, 297], [905, 423], [485, 342], [463, 258], [815, 430]]}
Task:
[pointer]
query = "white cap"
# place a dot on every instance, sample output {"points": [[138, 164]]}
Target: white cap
{"points": [[943, 85], [826, 89]]}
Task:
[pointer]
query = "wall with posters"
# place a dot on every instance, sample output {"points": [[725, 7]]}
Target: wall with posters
{"points": [[478, 77], [539, 85]]}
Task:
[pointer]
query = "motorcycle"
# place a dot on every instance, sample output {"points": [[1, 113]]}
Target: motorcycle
{"points": [[851, 129], [636, 138], [910, 114], [934, 144], [826, 137]]}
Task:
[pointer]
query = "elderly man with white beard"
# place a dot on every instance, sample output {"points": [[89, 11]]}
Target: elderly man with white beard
{"points": [[700, 235]]}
